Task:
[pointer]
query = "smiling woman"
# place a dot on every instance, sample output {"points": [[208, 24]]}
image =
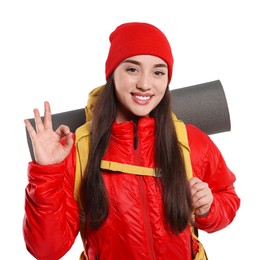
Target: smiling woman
{"points": [[120, 209]]}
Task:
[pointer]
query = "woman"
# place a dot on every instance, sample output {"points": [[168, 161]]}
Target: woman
{"points": [[126, 216]]}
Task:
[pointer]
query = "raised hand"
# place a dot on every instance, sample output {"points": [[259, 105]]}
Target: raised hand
{"points": [[46, 142], [201, 196]]}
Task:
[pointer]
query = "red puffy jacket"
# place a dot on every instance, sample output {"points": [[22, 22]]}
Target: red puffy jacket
{"points": [[135, 227]]}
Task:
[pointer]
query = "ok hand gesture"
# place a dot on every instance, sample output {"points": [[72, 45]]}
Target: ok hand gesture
{"points": [[46, 142]]}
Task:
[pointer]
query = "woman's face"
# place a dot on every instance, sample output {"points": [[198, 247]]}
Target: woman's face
{"points": [[140, 84]]}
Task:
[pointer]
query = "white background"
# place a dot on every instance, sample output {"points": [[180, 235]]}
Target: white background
{"points": [[56, 51]]}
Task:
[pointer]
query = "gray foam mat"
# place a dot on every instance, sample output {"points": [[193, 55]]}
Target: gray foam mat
{"points": [[203, 105]]}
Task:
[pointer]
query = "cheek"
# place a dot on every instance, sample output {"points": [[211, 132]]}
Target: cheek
{"points": [[124, 84], [120, 80], [161, 90], [160, 94]]}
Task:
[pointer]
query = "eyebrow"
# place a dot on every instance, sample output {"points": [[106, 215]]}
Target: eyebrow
{"points": [[159, 65]]}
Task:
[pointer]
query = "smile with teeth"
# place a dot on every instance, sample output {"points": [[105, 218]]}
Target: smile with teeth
{"points": [[143, 98]]}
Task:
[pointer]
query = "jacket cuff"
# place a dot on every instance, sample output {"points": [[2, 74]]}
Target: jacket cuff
{"points": [[207, 221], [45, 179]]}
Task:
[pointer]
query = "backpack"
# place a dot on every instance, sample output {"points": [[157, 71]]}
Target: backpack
{"points": [[82, 147]]}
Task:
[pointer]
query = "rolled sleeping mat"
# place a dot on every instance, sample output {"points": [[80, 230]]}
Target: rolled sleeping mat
{"points": [[203, 105]]}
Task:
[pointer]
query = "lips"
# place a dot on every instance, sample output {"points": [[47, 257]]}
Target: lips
{"points": [[141, 99]]}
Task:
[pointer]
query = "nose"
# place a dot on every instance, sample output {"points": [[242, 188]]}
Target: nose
{"points": [[144, 82]]}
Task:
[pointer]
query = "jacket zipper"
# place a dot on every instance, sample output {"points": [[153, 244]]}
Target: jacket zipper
{"points": [[147, 222], [144, 207]]}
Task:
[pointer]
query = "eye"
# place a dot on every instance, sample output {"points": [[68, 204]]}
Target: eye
{"points": [[132, 69], [160, 73]]}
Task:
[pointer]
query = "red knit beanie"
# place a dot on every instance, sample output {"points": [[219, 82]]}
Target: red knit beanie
{"points": [[130, 39]]}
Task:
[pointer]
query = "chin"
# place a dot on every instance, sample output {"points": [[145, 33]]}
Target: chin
{"points": [[141, 114]]}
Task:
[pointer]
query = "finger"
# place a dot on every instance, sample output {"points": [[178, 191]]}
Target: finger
{"points": [[69, 142], [194, 184], [194, 180], [38, 121], [29, 128], [47, 115], [203, 206], [199, 190], [62, 130], [199, 197], [202, 211], [203, 197]]}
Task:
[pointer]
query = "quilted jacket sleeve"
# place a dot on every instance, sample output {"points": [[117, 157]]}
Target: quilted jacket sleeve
{"points": [[209, 165], [51, 220]]}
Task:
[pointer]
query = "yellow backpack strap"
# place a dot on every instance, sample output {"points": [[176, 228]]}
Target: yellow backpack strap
{"points": [[82, 153], [83, 140], [128, 168], [183, 140]]}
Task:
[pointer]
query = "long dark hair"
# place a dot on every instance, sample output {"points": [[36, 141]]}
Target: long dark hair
{"points": [[168, 157]]}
